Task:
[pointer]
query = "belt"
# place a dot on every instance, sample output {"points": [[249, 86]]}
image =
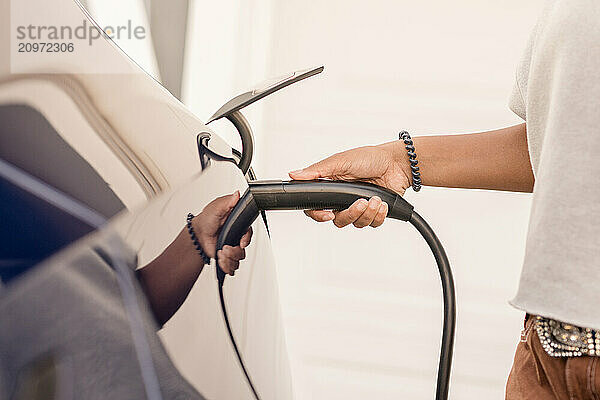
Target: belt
{"points": [[561, 339]]}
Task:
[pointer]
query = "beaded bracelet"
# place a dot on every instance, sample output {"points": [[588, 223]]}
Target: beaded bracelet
{"points": [[205, 258], [412, 158]]}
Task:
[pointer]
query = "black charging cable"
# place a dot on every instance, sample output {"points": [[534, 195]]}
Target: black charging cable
{"points": [[449, 299], [320, 194], [233, 342]]}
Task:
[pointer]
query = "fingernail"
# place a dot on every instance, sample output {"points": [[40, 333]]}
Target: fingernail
{"points": [[362, 205], [329, 217], [296, 171], [375, 202], [234, 198]]}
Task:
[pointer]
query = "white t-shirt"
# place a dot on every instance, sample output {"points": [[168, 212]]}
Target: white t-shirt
{"points": [[557, 92]]}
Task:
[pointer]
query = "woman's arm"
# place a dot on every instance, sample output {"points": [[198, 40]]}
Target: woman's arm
{"points": [[168, 279], [497, 160]]}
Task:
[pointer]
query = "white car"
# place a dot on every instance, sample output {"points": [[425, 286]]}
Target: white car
{"points": [[74, 323]]}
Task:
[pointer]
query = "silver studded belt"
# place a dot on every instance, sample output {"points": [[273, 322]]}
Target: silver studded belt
{"points": [[560, 339]]}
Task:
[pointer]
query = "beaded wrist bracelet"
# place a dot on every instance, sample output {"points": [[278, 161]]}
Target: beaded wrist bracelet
{"points": [[205, 258], [412, 158]]}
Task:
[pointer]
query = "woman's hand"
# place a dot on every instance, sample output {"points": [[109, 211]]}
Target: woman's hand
{"points": [[207, 225], [168, 279], [496, 160], [373, 164]]}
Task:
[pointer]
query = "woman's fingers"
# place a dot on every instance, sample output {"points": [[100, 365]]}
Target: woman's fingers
{"points": [[225, 263], [234, 253], [362, 213], [229, 258], [245, 240], [368, 216], [350, 215], [320, 215], [381, 214]]}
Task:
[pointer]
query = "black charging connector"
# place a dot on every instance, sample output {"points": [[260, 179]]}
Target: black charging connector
{"points": [[302, 195], [334, 195]]}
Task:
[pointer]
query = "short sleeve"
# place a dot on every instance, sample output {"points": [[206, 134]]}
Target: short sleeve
{"points": [[516, 102], [518, 98]]}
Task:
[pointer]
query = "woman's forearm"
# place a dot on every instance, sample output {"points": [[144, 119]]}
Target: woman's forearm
{"points": [[168, 279], [497, 160]]}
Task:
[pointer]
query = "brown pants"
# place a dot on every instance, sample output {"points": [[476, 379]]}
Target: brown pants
{"points": [[535, 375]]}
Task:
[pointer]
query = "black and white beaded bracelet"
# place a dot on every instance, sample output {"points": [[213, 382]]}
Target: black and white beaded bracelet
{"points": [[190, 228], [412, 158]]}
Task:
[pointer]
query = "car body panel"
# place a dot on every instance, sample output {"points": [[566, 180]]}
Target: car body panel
{"points": [[142, 142], [197, 333]]}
